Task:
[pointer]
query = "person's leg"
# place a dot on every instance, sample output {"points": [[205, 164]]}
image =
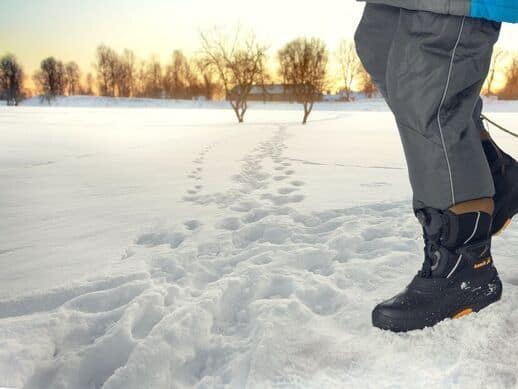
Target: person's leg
{"points": [[435, 70], [504, 169], [373, 39]]}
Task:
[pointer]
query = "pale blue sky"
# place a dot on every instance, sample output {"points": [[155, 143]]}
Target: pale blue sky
{"points": [[71, 29]]}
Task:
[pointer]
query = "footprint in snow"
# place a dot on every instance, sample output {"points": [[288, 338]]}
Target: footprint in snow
{"points": [[254, 216], [375, 184], [192, 225], [229, 224], [286, 190], [174, 239], [282, 200]]}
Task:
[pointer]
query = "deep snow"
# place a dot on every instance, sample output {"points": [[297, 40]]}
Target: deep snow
{"points": [[158, 248]]}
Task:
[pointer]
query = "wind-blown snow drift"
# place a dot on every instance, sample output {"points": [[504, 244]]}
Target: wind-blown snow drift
{"points": [[174, 248]]}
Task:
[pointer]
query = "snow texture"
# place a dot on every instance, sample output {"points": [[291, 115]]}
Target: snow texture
{"points": [[173, 248]]}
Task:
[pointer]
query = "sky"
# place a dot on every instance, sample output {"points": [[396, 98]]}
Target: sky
{"points": [[72, 29]]}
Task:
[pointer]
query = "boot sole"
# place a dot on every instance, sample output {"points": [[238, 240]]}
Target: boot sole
{"points": [[484, 298], [506, 225]]}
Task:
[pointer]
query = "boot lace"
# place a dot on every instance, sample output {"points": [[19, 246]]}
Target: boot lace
{"points": [[433, 245], [432, 255]]}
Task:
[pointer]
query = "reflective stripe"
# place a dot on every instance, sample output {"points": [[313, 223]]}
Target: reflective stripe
{"points": [[467, 241], [455, 267], [475, 230], [443, 100]]}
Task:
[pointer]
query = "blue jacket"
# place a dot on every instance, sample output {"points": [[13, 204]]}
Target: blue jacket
{"points": [[496, 10]]}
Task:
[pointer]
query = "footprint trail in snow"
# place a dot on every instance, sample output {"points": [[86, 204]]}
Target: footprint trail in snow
{"points": [[260, 295]]}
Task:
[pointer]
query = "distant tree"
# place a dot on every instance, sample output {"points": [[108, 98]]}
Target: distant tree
{"points": [[139, 86], [510, 89], [72, 78], [496, 63], [209, 86], [180, 79], [107, 67], [89, 86], [303, 66], [11, 79], [153, 78], [367, 86], [350, 66], [50, 79], [239, 64], [125, 77]]}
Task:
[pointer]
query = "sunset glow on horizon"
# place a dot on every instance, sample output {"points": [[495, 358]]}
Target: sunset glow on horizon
{"points": [[72, 29]]}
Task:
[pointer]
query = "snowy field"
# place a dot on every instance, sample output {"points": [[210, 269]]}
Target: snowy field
{"points": [[161, 245]]}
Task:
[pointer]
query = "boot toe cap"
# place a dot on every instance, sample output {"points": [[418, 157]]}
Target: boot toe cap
{"points": [[397, 315], [388, 318]]}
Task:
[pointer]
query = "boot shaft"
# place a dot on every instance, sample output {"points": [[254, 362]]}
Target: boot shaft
{"points": [[455, 243]]}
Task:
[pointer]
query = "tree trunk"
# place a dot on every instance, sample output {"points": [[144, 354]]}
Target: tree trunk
{"points": [[240, 114], [308, 106]]}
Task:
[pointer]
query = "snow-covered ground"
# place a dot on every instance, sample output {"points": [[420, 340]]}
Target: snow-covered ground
{"points": [[172, 248]]}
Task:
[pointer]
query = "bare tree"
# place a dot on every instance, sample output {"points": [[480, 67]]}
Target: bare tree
{"points": [[125, 77], [72, 78], [494, 68], [367, 85], [139, 86], [11, 79], [89, 87], [239, 64], [50, 79], [153, 86], [107, 67], [209, 86], [350, 66], [510, 89], [303, 66], [180, 79]]}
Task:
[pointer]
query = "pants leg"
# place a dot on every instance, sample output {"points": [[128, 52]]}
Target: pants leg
{"points": [[477, 113], [435, 69], [373, 40], [374, 37]]}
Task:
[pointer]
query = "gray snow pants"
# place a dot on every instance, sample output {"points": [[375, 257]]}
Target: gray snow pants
{"points": [[430, 69]]}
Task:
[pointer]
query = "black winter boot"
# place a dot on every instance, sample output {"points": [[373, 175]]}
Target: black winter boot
{"points": [[505, 175], [457, 278]]}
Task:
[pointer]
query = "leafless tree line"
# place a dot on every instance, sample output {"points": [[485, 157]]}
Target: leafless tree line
{"points": [[229, 66], [226, 66], [55, 78], [124, 75]]}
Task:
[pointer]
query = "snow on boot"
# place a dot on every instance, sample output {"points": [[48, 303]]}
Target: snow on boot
{"points": [[505, 175], [457, 278]]}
